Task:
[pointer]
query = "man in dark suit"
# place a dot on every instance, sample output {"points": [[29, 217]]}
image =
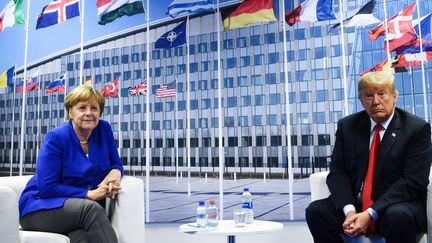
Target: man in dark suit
{"points": [[379, 170]]}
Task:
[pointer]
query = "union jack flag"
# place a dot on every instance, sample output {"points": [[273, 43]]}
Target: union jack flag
{"points": [[57, 12], [139, 89], [168, 90]]}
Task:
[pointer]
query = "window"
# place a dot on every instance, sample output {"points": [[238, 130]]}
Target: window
{"points": [[167, 124], [202, 85], [319, 117], [203, 123], [256, 80], [270, 38], [205, 104], [274, 99], [320, 52], [321, 95], [273, 58], [244, 61], [242, 81], [259, 100], [229, 121], [258, 59], [193, 67], [338, 94], [270, 78], [231, 63], [261, 141], [232, 142], [246, 141], [229, 82], [307, 140], [323, 139], [276, 141], [255, 40], [272, 120], [241, 42], [246, 100], [257, 120], [232, 101], [243, 121]]}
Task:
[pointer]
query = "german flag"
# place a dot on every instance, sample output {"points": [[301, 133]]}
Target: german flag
{"points": [[248, 12]]}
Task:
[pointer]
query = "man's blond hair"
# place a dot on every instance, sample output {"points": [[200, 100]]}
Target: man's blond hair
{"points": [[83, 93], [380, 78]]}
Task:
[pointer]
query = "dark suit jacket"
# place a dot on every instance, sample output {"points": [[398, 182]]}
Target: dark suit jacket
{"points": [[402, 167]]}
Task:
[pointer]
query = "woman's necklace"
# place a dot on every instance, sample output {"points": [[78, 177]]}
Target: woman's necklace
{"points": [[83, 142]]}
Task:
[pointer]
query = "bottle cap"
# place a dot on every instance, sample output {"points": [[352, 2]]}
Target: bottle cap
{"points": [[212, 201], [201, 203], [245, 189]]}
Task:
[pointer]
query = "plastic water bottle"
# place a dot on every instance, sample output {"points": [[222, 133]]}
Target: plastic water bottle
{"points": [[247, 205], [201, 215], [212, 214]]}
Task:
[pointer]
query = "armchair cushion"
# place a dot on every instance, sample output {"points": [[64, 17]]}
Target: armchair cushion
{"points": [[127, 213]]}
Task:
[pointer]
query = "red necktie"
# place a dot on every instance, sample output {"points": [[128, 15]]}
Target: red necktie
{"points": [[367, 199]]}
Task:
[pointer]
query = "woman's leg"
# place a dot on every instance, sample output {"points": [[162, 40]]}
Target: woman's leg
{"points": [[76, 214]]}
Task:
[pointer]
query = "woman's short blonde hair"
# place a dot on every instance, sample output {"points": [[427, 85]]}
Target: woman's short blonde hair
{"points": [[83, 93], [377, 79]]}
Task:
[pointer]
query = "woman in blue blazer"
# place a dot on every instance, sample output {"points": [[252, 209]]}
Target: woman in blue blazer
{"points": [[77, 167]]}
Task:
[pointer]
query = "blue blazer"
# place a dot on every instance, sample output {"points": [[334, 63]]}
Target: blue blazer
{"points": [[64, 171]]}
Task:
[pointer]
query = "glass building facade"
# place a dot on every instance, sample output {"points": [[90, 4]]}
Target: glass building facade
{"points": [[253, 94]]}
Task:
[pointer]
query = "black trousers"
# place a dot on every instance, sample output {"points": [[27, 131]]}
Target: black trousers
{"points": [[82, 220], [400, 222]]}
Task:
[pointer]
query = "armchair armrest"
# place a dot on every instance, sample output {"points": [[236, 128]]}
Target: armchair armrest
{"points": [[127, 211], [318, 185], [9, 219]]}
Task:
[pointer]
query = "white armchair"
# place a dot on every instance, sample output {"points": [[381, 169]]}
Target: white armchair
{"points": [[319, 190], [127, 214]]}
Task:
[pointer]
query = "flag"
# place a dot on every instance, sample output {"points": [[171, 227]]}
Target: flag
{"points": [[311, 10], [168, 90], [88, 81], [173, 38], [6, 78], [248, 12], [110, 10], [412, 59], [56, 85], [384, 66], [363, 17], [57, 12], [111, 89], [12, 14], [401, 33], [138, 89], [178, 7], [425, 24], [31, 83]]}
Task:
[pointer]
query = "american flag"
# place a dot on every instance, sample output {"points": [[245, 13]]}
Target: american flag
{"points": [[168, 90]]}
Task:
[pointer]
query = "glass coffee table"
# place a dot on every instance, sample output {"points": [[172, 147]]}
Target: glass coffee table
{"points": [[227, 228]]}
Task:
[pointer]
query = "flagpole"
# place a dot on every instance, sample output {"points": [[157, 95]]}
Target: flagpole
{"points": [[40, 117], [425, 104], [386, 33], [344, 79], [13, 122], [82, 43], [220, 115], [188, 108], [288, 121], [23, 108], [176, 134], [65, 92], [148, 155], [120, 135]]}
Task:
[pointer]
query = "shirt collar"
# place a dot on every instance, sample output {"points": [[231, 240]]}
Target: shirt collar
{"points": [[384, 124]]}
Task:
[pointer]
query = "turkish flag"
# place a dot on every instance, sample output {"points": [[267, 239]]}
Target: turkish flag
{"points": [[111, 89]]}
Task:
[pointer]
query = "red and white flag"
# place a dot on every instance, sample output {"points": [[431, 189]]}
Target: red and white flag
{"points": [[399, 27], [412, 59], [111, 89]]}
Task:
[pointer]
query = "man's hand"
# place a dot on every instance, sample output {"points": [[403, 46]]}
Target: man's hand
{"points": [[356, 224]]}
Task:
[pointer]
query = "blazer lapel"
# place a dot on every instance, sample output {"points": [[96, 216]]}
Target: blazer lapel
{"points": [[363, 137], [391, 135]]}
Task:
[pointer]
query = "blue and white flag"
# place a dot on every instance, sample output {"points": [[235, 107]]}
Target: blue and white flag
{"points": [[425, 24], [173, 38], [190, 6], [57, 12]]}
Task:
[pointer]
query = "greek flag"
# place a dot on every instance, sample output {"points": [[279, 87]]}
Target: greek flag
{"points": [[178, 7]]}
